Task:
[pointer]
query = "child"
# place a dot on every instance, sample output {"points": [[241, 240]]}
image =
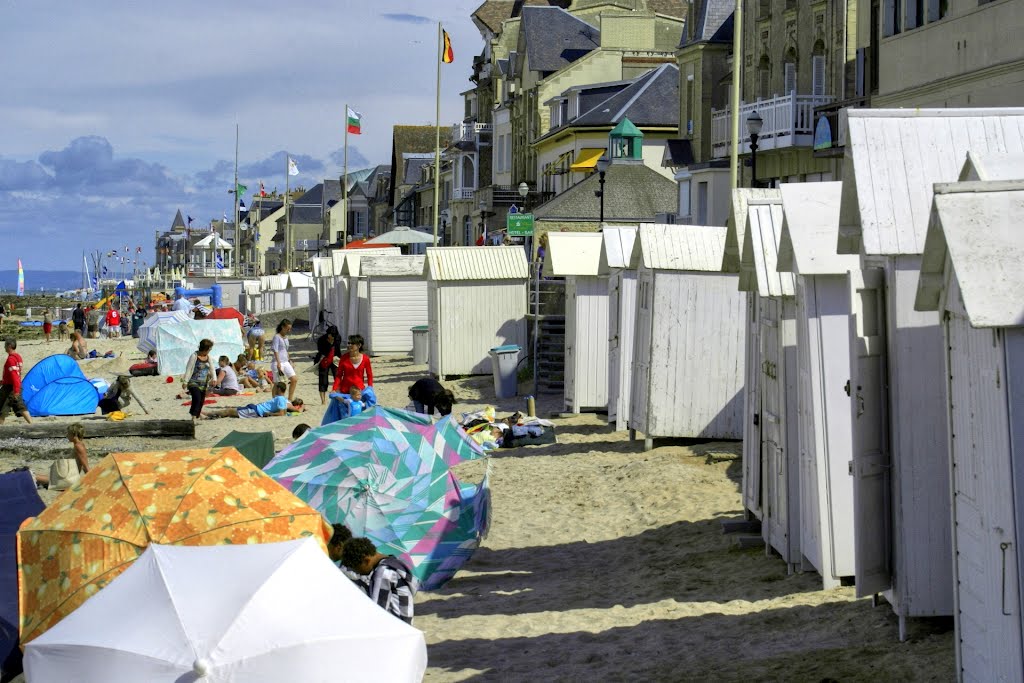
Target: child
{"points": [[10, 388], [62, 330], [76, 435], [354, 400], [297, 434], [278, 405], [119, 395], [390, 583], [226, 383]]}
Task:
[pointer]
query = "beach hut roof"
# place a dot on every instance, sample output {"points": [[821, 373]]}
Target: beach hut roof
{"points": [[737, 221], [976, 225], [352, 259], [323, 266], [759, 270], [477, 263], [296, 279], [662, 246], [616, 248], [252, 287], [810, 228], [573, 253], [894, 156], [392, 265], [212, 241]]}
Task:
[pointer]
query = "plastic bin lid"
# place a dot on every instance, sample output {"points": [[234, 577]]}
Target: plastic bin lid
{"points": [[421, 328], [508, 348]]}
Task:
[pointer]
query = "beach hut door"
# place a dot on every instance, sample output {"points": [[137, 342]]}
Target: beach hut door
{"points": [[871, 467], [752, 426], [614, 292], [773, 454]]}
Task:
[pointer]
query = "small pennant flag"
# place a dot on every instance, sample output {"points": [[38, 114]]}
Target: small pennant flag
{"points": [[447, 53], [263, 193], [241, 205], [292, 168], [220, 261], [355, 121], [190, 220], [240, 189]]}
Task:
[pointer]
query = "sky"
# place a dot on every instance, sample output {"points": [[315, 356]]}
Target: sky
{"points": [[115, 114]]}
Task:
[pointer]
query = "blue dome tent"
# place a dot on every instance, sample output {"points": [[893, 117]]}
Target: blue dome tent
{"points": [[57, 386]]}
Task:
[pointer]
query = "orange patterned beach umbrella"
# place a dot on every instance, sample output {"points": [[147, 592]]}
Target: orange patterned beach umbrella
{"points": [[96, 529]]}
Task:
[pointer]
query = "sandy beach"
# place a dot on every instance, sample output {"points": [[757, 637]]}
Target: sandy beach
{"points": [[603, 562]]}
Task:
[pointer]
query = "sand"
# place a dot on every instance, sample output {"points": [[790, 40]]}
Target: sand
{"points": [[603, 562]]}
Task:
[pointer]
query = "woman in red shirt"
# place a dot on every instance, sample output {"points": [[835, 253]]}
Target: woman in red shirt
{"points": [[353, 367]]}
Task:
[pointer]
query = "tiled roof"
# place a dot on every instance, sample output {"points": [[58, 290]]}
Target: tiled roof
{"points": [[678, 153], [652, 100], [413, 169], [554, 38], [633, 193], [313, 196], [671, 8], [178, 221], [714, 22], [407, 139], [493, 12], [303, 215]]}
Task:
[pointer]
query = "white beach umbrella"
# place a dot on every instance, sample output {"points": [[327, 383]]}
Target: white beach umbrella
{"points": [[260, 613], [147, 332], [402, 234]]}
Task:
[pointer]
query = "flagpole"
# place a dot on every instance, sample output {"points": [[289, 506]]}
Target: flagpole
{"points": [[216, 240], [344, 189], [287, 215], [437, 130]]}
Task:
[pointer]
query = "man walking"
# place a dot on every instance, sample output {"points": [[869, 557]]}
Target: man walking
{"points": [[10, 385], [78, 319]]}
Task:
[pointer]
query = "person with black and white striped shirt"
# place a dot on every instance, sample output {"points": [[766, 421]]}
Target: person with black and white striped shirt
{"points": [[387, 581]]}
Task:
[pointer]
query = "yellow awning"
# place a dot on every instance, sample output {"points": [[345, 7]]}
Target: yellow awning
{"points": [[586, 160]]}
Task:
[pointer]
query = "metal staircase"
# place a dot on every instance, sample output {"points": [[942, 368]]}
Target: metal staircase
{"points": [[547, 323]]}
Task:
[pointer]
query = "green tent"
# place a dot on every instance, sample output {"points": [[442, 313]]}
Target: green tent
{"points": [[258, 447]]}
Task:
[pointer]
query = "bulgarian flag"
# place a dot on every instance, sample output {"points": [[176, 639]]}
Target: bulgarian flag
{"points": [[447, 53], [355, 121]]}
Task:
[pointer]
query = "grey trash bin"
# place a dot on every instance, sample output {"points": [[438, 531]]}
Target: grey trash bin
{"points": [[420, 344], [504, 364]]}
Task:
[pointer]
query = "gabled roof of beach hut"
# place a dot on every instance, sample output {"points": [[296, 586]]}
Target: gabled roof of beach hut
{"points": [[323, 266], [810, 228], [477, 263], [894, 156], [993, 166], [977, 225], [661, 246], [573, 253], [737, 221], [353, 258], [759, 269], [616, 248], [392, 265], [297, 279]]}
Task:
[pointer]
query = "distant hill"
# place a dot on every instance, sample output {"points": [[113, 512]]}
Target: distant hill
{"points": [[49, 280]]}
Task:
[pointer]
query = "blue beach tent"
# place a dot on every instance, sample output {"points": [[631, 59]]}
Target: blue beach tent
{"points": [[20, 501], [57, 386]]}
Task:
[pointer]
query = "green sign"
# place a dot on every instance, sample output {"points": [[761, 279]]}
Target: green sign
{"points": [[519, 224]]}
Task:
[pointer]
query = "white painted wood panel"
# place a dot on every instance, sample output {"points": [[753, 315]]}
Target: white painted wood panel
{"points": [[395, 306], [569, 345], [471, 318], [622, 332], [752, 489], [589, 313], [642, 360]]}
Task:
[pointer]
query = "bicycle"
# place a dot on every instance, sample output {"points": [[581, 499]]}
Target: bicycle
{"points": [[324, 321]]}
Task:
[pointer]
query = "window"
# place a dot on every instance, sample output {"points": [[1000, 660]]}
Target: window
{"points": [[818, 75], [467, 231], [789, 83], [913, 14], [764, 79], [890, 18], [702, 203], [937, 9]]}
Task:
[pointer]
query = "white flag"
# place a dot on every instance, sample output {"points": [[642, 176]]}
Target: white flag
{"points": [[292, 168]]}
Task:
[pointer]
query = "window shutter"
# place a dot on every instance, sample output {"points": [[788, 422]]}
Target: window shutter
{"points": [[765, 85], [818, 75], [790, 78]]}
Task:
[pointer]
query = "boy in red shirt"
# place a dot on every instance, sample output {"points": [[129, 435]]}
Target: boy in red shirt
{"points": [[113, 321], [10, 387]]}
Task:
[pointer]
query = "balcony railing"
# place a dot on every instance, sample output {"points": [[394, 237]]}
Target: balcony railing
{"points": [[788, 122], [471, 132], [836, 125], [463, 192]]}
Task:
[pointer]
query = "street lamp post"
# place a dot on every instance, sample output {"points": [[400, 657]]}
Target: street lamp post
{"points": [[602, 168], [754, 123]]}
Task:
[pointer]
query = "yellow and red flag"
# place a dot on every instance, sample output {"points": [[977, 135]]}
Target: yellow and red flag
{"points": [[447, 53]]}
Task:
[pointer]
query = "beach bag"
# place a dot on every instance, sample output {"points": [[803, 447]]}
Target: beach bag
{"points": [[63, 474]]}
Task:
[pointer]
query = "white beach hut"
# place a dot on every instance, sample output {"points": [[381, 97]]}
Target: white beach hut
{"points": [[774, 317], [576, 257], [476, 300], [396, 301], [355, 302], [298, 288], [971, 273], [735, 231], [824, 431], [688, 348], [616, 253], [901, 499]]}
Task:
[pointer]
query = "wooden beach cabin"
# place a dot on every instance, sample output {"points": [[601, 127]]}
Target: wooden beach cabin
{"points": [[396, 301], [824, 431], [476, 300], [734, 234], [354, 305], [576, 257], [616, 253], [688, 348], [901, 499], [971, 274], [774, 318]]}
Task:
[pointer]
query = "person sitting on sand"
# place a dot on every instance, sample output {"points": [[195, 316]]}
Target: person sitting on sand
{"points": [[119, 395], [76, 435], [226, 383], [249, 376], [78, 349], [299, 431], [278, 405], [390, 583]]}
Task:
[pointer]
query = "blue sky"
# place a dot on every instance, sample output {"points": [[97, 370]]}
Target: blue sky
{"points": [[115, 114]]}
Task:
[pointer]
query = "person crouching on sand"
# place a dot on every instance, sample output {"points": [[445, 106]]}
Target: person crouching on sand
{"points": [[278, 405], [389, 583], [76, 435]]}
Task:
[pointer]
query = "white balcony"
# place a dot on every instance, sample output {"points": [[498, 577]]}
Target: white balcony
{"points": [[788, 122], [463, 192], [472, 132]]}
